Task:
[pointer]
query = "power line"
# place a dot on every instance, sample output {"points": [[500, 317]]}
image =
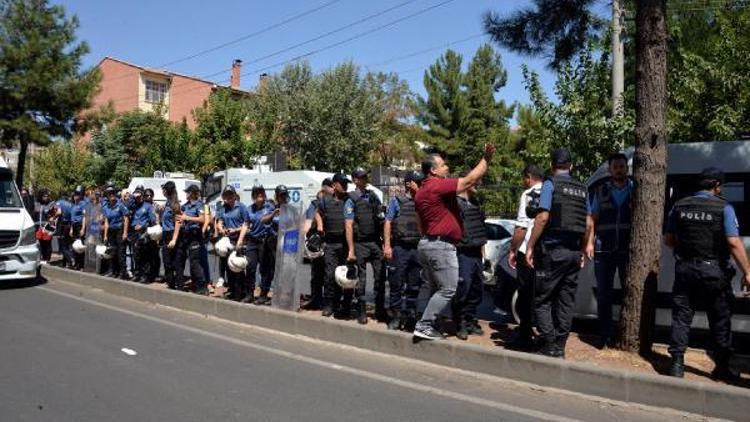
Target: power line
{"points": [[424, 51]]}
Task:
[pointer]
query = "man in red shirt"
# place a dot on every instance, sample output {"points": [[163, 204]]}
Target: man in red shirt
{"points": [[440, 219]]}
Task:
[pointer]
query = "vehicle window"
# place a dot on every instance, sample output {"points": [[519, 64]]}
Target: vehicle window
{"points": [[8, 194], [496, 231]]}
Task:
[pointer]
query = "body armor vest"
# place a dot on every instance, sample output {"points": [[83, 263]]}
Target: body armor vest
{"points": [[333, 216], [568, 213], [613, 228], [406, 228], [365, 214], [700, 228], [474, 234]]}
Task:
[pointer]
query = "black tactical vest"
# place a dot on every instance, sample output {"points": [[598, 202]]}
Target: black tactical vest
{"points": [[333, 216], [365, 215], [405, 227], [700, 228], [475, 234], [568, 213], [613, 227]]}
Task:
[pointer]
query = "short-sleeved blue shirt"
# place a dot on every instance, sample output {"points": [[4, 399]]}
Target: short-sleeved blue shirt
{"points": [[619, 196], [143, 215], [115, 214], [192, 209], [254, 215], [348, 208], [310, 212], [731, 226], [66, 209], [77, 211], [233, 217], [167, 219], [393, 208]]}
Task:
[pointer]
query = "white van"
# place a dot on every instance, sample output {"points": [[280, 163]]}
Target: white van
{"points": [[19, 252]]}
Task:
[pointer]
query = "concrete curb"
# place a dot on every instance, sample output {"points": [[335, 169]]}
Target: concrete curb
{"points": [[721, 401]]}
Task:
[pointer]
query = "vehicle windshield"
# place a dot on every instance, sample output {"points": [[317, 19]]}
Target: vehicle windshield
{"points": [[8, 193], [496, 231]]}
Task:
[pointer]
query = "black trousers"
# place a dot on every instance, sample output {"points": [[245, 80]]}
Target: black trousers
{"points": [[525, 305], [65, 241], [317, 279], [469, 288], [404, 278], [333, 295], [141, 259], [154, 254], [189, 249], [261, 258], [555, 292], [117, 264], [169, 258], [370, 252], [702, 285], [45, 248], [78, 258]]}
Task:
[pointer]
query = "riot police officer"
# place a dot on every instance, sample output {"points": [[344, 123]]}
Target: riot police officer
{"points": [[259, 216], [704, 232], [317, 265], [268, 259], [64, 228], [401, 235], [609, 238], [78, 225], [170, 233], [152, 247], [555, 252], [116, 221], [142, 217], [230, 222], [366, 229], [332, 213], [189, 241], [470, 252]]}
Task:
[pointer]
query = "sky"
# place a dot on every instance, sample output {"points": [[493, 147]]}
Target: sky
{"points": [[160, 34]]}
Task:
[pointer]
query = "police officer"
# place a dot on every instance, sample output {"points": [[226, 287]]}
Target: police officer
{"points": [[230, 222], [470, 252], [527, 210], [222, 277], [259, 216], [64, 226], [170, 233], [268, 259], [704, 232], [189, 241], [555, 252], [333, 212], [609, 238], [152, 247], [142, 217], [317, 265], [401, 235], [46, 210], [116, 221], [78, 225]]}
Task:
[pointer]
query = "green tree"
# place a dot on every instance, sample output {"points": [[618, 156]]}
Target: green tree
{"points": [[62, 166], [41, 85]]}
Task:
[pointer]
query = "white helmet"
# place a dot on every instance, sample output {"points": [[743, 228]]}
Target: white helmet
{"points": [[488, 272], [223, 247], [236, 263], [103, 251], [154, 232], [78, 246], [346, 276]]}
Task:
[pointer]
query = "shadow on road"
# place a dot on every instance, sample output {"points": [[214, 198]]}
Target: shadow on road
{"points": [[22, 284]]}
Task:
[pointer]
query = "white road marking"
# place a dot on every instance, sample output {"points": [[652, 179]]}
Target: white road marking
{"points": [[129, 352]]}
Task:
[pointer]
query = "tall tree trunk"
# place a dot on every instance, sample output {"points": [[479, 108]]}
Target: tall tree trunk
{"points": [[649, 170], [24, 147]]}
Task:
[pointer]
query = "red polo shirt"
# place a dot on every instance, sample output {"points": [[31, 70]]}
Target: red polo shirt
{"points": [[438, 209]]}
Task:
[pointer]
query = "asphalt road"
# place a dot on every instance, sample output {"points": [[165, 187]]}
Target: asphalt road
{"points": [[101, 357]]}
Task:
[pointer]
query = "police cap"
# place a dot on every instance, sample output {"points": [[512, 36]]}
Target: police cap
{"points": [[169, 185], [340, 178], [228, 191], [359, 173], [327, 182], [281, 190], [414, 176], [192, 188], [561, 156], [714, 174]]}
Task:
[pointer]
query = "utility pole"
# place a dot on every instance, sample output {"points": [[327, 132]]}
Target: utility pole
{"points": [[618, 60]]}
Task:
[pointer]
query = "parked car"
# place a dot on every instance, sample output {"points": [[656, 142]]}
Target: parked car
{"points": [[684, 162], [499, 233]]}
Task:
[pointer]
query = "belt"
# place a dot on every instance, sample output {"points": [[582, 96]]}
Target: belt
{"points": [[716, 262], [431, 238]]}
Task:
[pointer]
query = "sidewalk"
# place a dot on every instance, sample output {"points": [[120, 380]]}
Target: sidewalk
{"points": [[607, 374]]}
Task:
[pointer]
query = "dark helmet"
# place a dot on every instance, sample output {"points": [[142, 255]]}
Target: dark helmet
{"points": [[314, 243], [138, 188], [110, 190], [414, 176], [258, 190], [78, 190], [281, 190], [228, 190], [359, 173]]}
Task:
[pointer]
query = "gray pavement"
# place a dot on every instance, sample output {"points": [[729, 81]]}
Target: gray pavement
{"points": [[67, 358]]}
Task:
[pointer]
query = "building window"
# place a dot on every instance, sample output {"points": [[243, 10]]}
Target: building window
{"points": [[156, 92]]}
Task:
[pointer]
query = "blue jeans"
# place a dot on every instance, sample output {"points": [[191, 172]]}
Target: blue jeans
{"points": [[605, 266], [440, 268]]}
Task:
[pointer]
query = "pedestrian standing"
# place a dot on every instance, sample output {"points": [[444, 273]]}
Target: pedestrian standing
{"points": [[188, 249], [46, 208], [259, 216], [703, 231], [64, 226], [78, 225], [170, 234], [231, 223], [317, 264], [142, 217], [116, 221], [555, 251], [437, 208]]}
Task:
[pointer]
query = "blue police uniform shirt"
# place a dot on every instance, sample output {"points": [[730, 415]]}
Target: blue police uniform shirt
{"points": [[310, 212], [167, 219], [348, 208], [619, 196], [77, 211], [66, 209], [218, 208], [143, 216], [233, 217], [115, 214], [192, 209], [731, 226], [254, 215], [393, 208]]}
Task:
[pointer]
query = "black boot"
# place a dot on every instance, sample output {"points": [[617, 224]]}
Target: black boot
{"points": [[395, 321], [549, 348], [362, 313], [677, 368], [722, 371], [560, 346]]}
